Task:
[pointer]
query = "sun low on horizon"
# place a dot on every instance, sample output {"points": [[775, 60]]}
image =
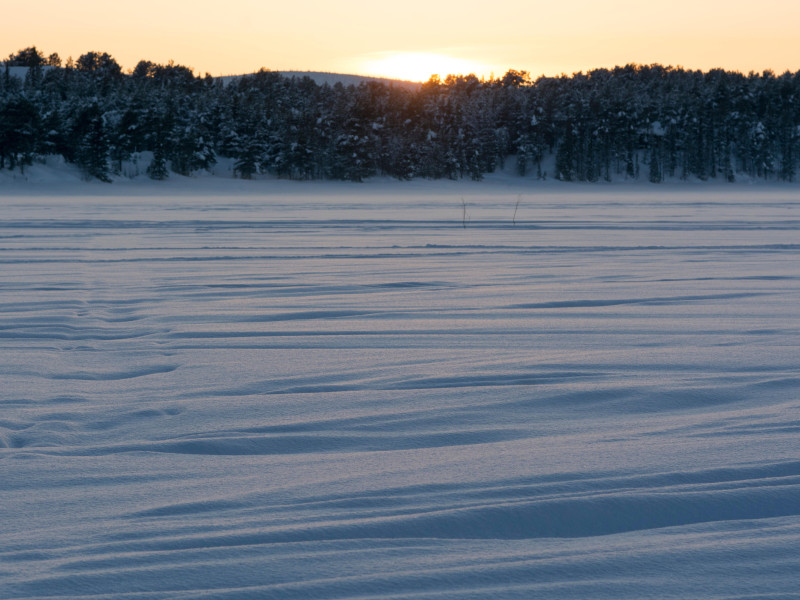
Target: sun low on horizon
{"points": [[419, 66]]}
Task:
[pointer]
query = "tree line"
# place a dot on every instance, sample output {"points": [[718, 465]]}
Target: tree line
{"points": [[636, 121]]}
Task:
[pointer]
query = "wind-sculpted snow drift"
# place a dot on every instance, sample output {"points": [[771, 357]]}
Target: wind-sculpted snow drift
{"points": [[284, 390]]}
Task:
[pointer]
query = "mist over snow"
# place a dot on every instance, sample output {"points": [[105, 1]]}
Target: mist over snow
{"points": [[229, 389]]}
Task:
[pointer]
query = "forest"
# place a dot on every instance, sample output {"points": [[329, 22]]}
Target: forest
{"points": [[646, 122]]}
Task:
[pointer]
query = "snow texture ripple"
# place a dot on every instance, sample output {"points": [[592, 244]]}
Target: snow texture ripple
{"points": [[382, 392]]}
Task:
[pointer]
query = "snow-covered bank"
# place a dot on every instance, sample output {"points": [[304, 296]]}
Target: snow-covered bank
{"points": [[57, 177], [217, 388]]}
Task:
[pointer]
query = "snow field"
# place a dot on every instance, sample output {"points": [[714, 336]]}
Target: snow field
{"points": [[225, 389]]}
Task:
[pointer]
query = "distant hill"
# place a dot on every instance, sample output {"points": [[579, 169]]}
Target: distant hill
{"points": [[319, 77], [19, 72], [322, 78]]}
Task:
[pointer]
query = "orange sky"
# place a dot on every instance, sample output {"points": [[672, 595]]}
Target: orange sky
{"points": [[414, 38]]}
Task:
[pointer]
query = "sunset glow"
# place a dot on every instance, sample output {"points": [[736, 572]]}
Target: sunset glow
{"points": [[419, 66], [417, 39]]}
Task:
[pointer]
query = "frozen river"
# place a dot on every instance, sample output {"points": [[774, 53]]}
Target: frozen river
{"points": [[387, 391]]}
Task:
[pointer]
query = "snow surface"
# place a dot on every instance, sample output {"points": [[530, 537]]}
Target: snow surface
{"points": [[226, 389]]}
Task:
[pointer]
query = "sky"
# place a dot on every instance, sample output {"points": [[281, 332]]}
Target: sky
{"points": [[414, 39]]}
